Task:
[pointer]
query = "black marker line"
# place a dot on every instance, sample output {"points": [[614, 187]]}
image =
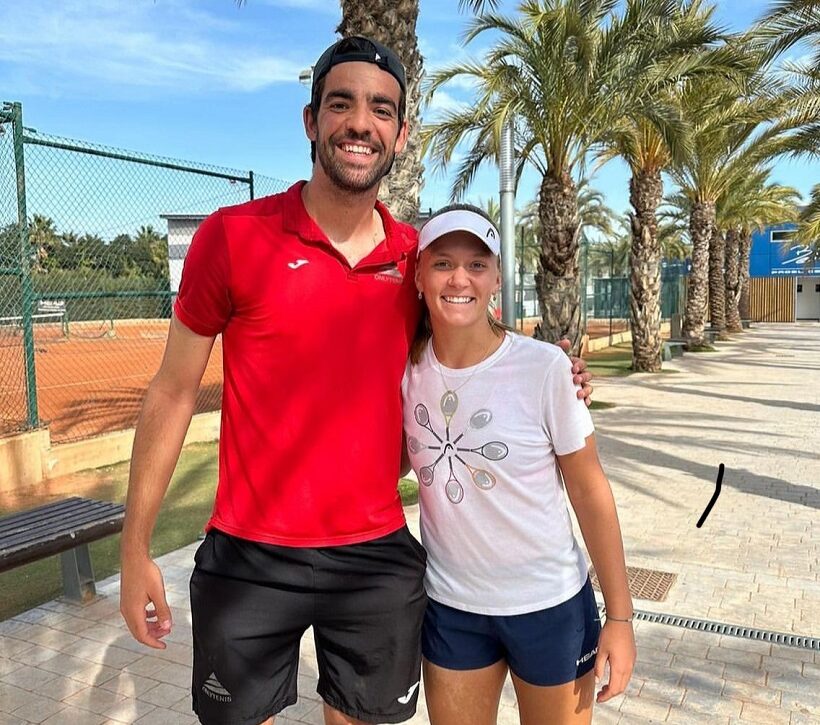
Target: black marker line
{"points": [[715, 495]]}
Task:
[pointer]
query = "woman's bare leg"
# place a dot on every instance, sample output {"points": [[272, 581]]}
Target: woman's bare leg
{"points": [[463, 697], [569, 704]]}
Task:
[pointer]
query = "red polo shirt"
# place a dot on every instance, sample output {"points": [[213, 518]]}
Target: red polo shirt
{"points": [[313, 356]]}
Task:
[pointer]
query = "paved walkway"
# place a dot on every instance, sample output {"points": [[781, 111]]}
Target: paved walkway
{"points": [[752, 406], [755, 407]]}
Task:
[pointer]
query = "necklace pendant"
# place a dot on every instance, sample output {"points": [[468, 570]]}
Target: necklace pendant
{"points": [[449, 404]]}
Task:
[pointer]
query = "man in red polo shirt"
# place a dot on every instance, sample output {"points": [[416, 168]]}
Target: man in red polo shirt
{"points": [[313, 293]]}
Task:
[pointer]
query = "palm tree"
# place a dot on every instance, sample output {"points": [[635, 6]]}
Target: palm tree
{"points": [[808, 230], [150, 254], [612, 254], [593, 213], [789, 22], [648, 153], [567, 72], [593, 216], [673, 233], [749, 204], [44, 240], [728, 143]]}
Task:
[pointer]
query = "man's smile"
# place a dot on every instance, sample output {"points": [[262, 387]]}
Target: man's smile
{"points": [[356, 149]]}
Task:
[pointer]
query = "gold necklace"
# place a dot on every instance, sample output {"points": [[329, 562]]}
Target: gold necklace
{"points": [[449, 399]]}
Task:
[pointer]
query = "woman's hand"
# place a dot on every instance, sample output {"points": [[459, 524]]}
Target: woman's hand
{"points": [[616, 646]]}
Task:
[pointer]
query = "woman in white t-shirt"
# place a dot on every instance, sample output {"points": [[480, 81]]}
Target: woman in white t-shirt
{"points": [[494, 431]]}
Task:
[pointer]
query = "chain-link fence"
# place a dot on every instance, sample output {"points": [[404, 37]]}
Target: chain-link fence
{"points": [[86, 278]]}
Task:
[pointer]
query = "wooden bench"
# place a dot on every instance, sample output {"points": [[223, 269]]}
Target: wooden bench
{"points": [[64, 527]]}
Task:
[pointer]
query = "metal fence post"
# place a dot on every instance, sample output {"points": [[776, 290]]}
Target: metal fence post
{"points": [[584, 282], [611, 288], [27, 288], [521, 270], [250, 185]]}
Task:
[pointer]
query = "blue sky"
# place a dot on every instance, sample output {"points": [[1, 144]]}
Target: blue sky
{"points": [[206, 81]]}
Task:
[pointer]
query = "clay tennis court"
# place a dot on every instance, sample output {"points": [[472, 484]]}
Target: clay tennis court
{"points": [[595, 327], [93, 380]]}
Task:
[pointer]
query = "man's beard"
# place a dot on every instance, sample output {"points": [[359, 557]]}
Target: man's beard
{"points": [[355, 182]]}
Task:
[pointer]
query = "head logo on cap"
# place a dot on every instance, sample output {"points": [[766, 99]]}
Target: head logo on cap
{"points": [[460, 218], [378, 57]]}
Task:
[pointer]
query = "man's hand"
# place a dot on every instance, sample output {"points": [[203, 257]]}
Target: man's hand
{"points": [[580, 376], [142, 602]]}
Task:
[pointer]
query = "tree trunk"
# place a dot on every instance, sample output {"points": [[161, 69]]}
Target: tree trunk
{"points": [[717, 281], [557, 281], [393, 22], [733, 281], [745, 244], [645, 194], [701, 223]]}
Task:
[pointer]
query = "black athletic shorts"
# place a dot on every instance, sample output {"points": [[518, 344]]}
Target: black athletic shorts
{"points": [[251, 603]]}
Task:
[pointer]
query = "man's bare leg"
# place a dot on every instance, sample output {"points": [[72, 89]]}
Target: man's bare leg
{"points": [[334, 717]]}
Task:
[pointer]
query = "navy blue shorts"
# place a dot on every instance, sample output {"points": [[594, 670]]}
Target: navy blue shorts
{"points": [[549, 647]]}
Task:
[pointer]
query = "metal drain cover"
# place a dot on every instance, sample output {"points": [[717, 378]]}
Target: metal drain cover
{"points": [[649, 584]]}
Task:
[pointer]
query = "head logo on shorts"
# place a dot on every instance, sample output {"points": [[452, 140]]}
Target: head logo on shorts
{"points": [[585, 658], [213, 688]]}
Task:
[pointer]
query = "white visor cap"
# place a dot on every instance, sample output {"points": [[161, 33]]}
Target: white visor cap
{"points": [[460, 220]]}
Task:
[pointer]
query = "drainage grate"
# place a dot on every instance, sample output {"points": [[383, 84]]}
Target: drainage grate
{"points": [[649, 584], [732, 630]]}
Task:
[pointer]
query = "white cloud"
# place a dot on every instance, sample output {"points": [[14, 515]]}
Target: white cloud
{"points": [[78, 46], [442, 101], [329, 7]]}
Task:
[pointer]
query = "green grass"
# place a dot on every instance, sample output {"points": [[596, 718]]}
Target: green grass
{"points": [[616, 362], [186, 508], [184, 512], [701, 348], [409, 491], [611, 362]]}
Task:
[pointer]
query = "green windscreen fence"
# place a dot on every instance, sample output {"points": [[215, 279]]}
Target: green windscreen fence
{"points": [[91, 246], [604, 290]]}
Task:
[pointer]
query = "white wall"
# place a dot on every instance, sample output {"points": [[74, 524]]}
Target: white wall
{"points": [[180, 233]]}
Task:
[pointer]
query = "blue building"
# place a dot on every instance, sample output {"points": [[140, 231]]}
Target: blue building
{"points": [[782, 288]]}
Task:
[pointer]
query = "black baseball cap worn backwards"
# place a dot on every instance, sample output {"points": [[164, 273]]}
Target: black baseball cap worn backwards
{"points": [[363, 50]]}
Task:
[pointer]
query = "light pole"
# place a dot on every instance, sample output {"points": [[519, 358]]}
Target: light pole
{"points": [[506, 168]]}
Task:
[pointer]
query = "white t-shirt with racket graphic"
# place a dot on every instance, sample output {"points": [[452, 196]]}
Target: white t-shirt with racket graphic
{"points": [[494, 516]]}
